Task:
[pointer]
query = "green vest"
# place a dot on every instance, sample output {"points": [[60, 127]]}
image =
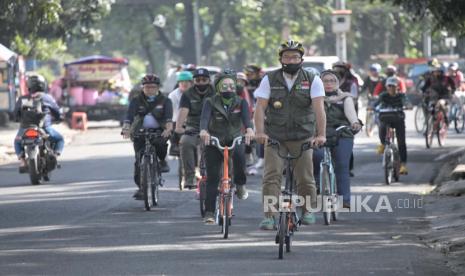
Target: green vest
{"points": [[156, 108], [289, 115], [336, 117], [196, 101], [225, 124]]}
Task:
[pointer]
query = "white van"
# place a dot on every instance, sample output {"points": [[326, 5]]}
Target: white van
{"points": [[320, 63]]}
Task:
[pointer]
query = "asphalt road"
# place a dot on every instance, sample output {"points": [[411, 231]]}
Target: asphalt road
{"points": [[85, 222]]}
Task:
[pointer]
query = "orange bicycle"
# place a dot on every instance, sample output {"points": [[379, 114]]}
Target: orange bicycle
{"points": [[224, 200]]}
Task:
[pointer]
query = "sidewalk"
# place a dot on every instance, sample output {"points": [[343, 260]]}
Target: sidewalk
{"points": [[7, 136], [445, 211]]}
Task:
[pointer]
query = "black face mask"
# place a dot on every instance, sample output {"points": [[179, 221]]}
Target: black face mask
{"points": [[254, 83], [202, 88], [239, 89], [291, 68], [227, 95]]}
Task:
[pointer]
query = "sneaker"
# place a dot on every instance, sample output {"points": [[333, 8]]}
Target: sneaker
{"points": [[403, 169], [346, 205], [252, 171], [260, 163], [351, 173], [380, 149], [209, 218], [190, 184], [164, 168], [241, 192], [267, 224], [308, 218], [138, 195]]}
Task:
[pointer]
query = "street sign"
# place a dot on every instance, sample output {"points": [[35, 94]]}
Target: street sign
{"points": [[451, 42]]}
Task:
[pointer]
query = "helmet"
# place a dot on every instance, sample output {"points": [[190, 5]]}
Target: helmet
{"points": [[252, 68], [150, 78], [36, 83], [184, 76], [342, 64], [241, 76], [291, 45], [391, 68], [375, 67], [433, 62], [227, 73], [392, 81], [454, 66]]}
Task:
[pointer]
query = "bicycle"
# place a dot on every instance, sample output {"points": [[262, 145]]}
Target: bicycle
{"points": [[435, 124], [420, 115], [371, 120], [150, 174], [288, 219], [202, 185], [225, 198], [391, 156], [457, 115], [328, 187]]}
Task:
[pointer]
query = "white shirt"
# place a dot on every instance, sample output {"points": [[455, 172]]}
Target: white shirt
{"points": [[263, 91], [175, 97]]}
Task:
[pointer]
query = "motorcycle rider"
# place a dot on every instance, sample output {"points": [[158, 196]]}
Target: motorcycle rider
{"points": [[37, 109], [153, 110]]}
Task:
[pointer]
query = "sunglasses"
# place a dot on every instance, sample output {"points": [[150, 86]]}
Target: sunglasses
{"points": [[225, 86]]}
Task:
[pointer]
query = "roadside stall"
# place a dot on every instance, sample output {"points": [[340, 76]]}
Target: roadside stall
{"points": [[11, 78], [97, 86]]}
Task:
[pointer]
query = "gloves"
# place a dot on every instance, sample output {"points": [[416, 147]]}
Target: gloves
{"points": [[126, 130]]}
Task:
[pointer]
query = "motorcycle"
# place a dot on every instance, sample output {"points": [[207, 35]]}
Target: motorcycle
{"points": [[40, 159]]}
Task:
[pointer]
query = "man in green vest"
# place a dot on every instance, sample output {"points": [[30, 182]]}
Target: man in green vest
{"points": [[188, 122], [290, 101]]}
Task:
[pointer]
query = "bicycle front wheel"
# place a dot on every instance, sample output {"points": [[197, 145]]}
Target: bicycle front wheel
{"points": [[155, 184], [419, 119], [326, 193], [459, 119], [145, 183], [442, 130], [226, 206], [429, 132], [388, 166], [281, 234], [370, 123]]}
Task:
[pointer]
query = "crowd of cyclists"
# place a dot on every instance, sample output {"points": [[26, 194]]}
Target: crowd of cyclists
{"points": [[291, 104]]}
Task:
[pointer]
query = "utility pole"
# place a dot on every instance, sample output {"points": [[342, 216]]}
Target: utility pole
{"points": [[198, 38], [426, 37], [341, 25]]}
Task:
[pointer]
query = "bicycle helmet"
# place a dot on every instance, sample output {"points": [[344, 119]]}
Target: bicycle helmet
{"points": [[291, 45], [150, 78], [227, 73], [375, 67]]}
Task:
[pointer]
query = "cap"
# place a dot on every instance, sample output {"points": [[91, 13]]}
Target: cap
{"points": [[201, 72]]}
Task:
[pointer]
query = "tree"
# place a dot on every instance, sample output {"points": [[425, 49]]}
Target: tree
{"points": [[39, 28]]}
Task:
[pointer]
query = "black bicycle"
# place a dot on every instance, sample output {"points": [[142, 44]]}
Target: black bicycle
{"points": [[149, 167], [288, 218]]}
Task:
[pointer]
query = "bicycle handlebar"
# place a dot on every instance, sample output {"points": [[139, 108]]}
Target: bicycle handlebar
{"points": [[214, 141], [147, 132]]}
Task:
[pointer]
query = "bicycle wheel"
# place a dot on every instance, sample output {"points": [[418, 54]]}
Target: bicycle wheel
{"points": [[388, 166], [326, 193], [288, 237], [145, 183], [419, 119], [225, 216], [281, 234], [442, 130], [334, 198], [202, 196], [370, 123], [396, 163], [459, 119], [429, 132], [180, 175]]}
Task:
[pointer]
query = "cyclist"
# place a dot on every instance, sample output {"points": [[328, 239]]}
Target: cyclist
{"points": [[372, 80], [439, 88], [290, 101], [340, 111], [223, 116], [153, 110], [392, 99], [37, 109], [184, 82], [190, 109], [456, 75], [391, 71]]}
